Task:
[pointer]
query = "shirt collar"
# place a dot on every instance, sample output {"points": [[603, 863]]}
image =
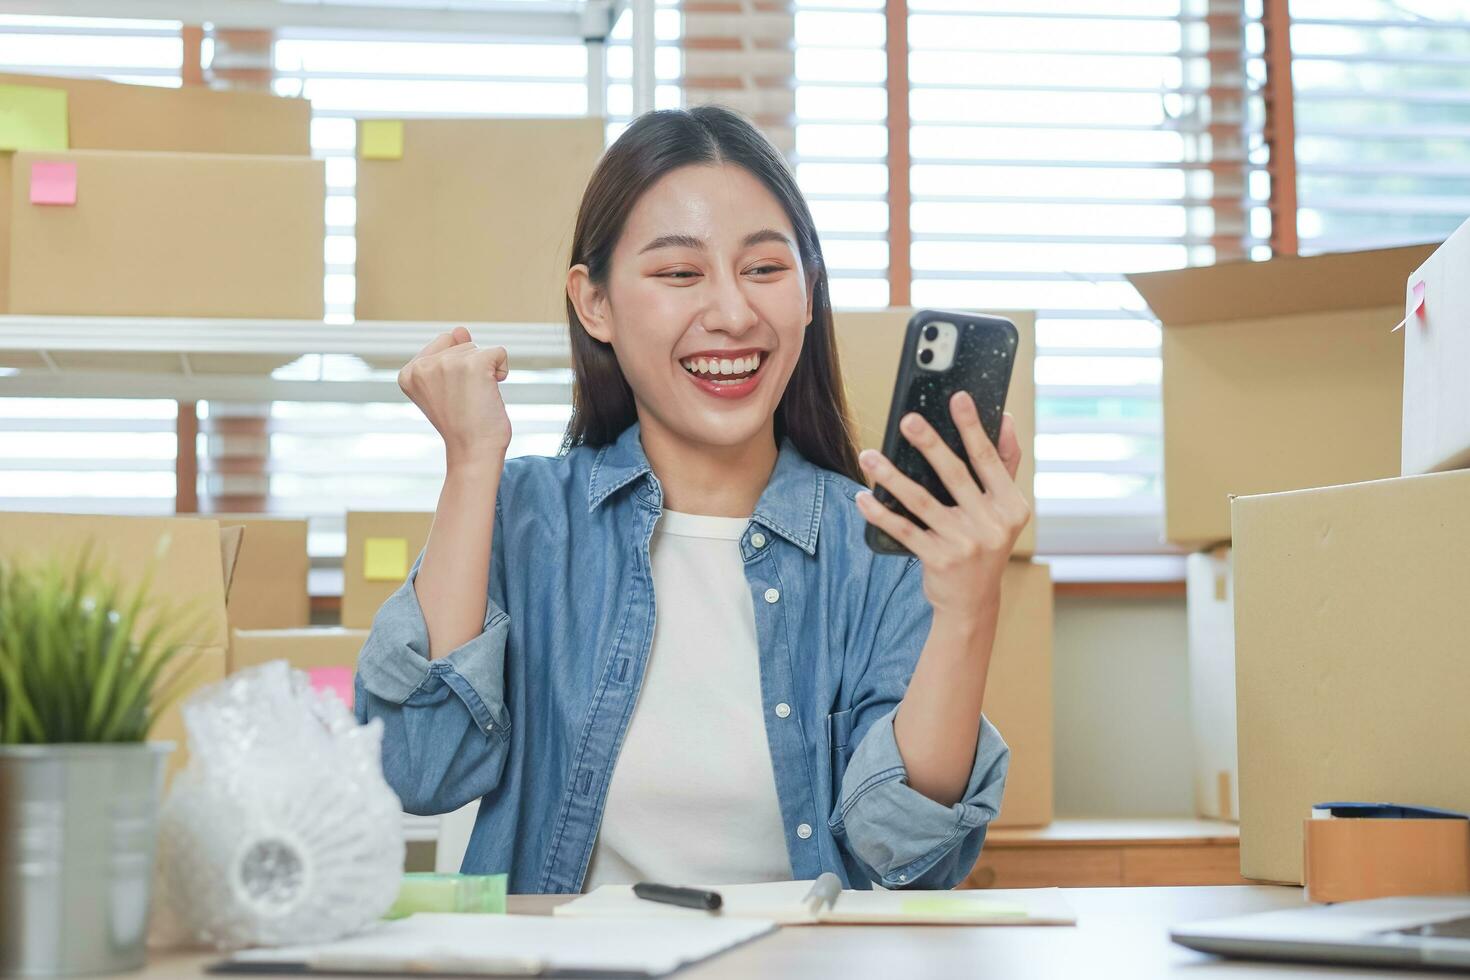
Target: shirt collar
{"points": [[791, 504]]}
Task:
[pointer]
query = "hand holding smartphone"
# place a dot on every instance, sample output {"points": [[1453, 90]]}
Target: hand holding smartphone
{"points": [[943, 353]]}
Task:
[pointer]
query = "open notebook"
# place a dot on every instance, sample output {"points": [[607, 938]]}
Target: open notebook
{"points": [[506, 945], [785, 902]]}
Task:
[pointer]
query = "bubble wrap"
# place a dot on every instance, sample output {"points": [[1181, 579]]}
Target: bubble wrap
{"points": [[281, 829]]}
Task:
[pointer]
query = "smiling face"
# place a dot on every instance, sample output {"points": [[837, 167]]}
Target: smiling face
{"points": [[705, 306]]}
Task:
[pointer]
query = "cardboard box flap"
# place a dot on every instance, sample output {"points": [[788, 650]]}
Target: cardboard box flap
{"points": [[188, 558], [230, 540], [1282, 287]]}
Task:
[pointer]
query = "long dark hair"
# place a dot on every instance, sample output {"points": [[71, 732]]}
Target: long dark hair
{"points": [[813, 409]]}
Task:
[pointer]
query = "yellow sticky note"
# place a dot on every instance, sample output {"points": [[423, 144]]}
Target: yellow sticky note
{"points": [[381, 139], [32, 118], [962, 906], [385, 559]]}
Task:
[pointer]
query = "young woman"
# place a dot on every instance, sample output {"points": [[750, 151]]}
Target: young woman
{"points": [[667, 654]]}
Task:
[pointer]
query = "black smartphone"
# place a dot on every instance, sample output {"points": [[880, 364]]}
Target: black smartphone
{"points": [[943, 352]]}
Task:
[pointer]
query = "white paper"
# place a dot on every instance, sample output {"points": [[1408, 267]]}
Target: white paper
{"points": [[783, 902], [523, 943]]}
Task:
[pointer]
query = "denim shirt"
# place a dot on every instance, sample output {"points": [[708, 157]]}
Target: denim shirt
{"points": [[528, 716]]}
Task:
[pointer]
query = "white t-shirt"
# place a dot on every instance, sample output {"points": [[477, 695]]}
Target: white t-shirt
{"points": [[693, 794]]}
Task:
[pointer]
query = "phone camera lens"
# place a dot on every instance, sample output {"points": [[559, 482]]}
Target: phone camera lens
{"points": [[931, 334], [925, 356]]}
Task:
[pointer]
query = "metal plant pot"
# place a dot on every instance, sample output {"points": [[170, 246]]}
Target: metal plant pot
{"points": [[78, 830]]}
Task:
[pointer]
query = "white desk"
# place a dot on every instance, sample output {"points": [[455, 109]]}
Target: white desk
{"points": [[1121, 932]]}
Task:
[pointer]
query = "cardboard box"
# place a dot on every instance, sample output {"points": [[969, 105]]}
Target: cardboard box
{"points": [[868, 346], [1210, 610], [191, 562], [1436, 433], [270, 591], [103, 115], [470, 219], [328, 655], [381, 547], [305, 649], [165, 234], [1351, 655], [1276, 376], [1018, 693]]}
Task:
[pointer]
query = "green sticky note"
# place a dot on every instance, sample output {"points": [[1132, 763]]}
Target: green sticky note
{"points": [[32, 118], [381, 139], [961, 906], [385, 559]]}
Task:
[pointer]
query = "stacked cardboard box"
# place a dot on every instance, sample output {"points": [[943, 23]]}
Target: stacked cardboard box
{"points": [[1350, 617], [327, 655], [188, 564], [1276, 375], [1018, 697], [469, 219], [137, 201], [381, 547]]}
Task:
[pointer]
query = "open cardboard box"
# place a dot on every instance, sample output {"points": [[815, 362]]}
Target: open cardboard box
{"points": [[868, 346], [1352, 667], [191, 561], [270, 587], [1277, 375]]}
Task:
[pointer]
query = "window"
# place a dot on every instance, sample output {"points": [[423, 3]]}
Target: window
{"points": [[1055, 147], [89, 454], [1382, 121], [842, 141]]}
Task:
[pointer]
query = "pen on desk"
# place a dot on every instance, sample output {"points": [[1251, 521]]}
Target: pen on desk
{"points": [[824, 892], [689, 898]]}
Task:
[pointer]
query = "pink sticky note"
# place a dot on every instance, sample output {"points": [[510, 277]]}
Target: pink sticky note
{"points": [[53, 182], [336, 679], [1416, 304]]}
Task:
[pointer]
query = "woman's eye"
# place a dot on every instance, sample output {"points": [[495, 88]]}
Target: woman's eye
{"points": [[762, 270], [680, 274]]}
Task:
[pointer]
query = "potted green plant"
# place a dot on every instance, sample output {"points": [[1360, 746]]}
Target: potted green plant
{"points": [[86, 667]]}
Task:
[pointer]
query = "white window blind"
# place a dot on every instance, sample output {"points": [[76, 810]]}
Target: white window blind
{"points": [[87, 454], [1383, 121], [1055, 147], [842, 141]]}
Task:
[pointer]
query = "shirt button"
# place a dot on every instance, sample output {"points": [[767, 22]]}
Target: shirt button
{"points": [[772, 595], [783, 710], [758, 539], [803, 830]]}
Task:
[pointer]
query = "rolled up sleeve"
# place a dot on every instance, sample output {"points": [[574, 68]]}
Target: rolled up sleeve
{"points": [[903, 837], [446, 727]]}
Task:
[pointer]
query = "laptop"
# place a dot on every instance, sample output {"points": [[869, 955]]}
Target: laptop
{"points": [[1431, 932]]}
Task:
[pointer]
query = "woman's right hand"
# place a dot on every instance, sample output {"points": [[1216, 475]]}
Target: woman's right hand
{"points": [[457, 386]]}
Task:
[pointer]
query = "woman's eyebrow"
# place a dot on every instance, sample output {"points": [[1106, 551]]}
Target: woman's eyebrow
{"points": [[690, 241]]}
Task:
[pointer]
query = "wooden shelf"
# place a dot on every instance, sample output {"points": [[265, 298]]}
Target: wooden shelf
{"points": [[1085, 853]]}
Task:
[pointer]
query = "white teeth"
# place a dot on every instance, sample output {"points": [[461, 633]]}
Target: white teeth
{"points": [[716, 366]]}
